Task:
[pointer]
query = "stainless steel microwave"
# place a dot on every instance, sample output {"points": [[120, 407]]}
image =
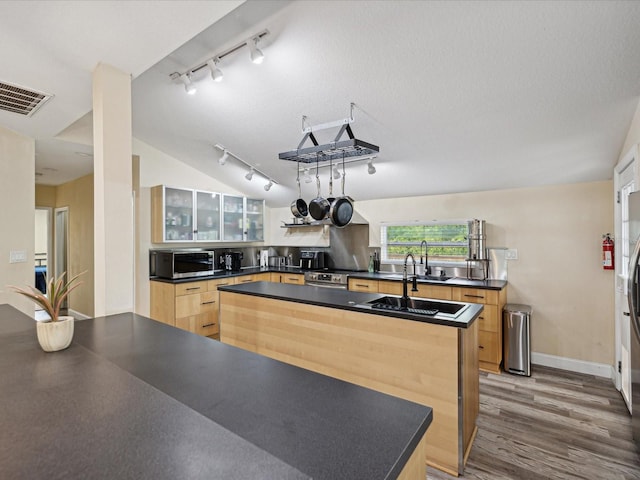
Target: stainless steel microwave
{"points": [[175, 264]]}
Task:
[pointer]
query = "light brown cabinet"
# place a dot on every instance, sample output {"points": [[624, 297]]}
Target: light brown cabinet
{"points": [[363, 285], [255, 277], [192, 306], [292, 278], [489, 323]]}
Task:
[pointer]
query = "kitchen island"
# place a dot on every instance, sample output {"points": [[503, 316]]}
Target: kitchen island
{"points": [[431, 360], [134, 398]]}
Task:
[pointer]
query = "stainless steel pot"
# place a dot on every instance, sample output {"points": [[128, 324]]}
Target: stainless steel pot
{"points": [[299, 207], [319, 207], [341, 210]]}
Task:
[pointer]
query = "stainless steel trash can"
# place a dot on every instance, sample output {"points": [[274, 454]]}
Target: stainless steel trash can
{"points": [[517, 339]]}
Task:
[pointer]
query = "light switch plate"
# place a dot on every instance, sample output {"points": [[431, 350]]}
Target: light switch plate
{"points": [[17, 256], [511, 254]]}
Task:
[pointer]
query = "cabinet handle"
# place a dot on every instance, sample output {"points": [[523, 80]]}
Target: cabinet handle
{"points": [[362, 285], [208, 303], [626, 314], [245, 281], [473, 296], [193, 288], [294, 279], [480, 318], [208, 325], [480, 347], [222, 284]]}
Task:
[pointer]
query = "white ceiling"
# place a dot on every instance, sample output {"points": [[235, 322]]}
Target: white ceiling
{"points": [[460, 96]]}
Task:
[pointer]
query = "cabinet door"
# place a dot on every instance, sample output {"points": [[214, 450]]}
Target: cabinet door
{"points": [[207, 216], [233, 218], [277, 277], [177, 214], [255, 220]]}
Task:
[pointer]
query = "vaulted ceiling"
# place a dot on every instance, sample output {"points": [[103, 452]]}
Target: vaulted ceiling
{"points": [[459, 96]]}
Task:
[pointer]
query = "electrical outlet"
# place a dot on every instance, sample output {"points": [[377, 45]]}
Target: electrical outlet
{"points": [[511, 254], [17, 256]]}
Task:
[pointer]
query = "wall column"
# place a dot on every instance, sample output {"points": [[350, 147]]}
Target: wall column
{"points": [[113, 200]]}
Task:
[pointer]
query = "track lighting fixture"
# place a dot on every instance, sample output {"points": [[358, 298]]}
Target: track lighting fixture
{"points": [[212, 63], [256, 54], [188, 85], [370, 168], [336, 173], [216, 73], [225, 156]]}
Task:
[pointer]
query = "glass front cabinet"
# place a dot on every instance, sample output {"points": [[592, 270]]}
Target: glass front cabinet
{"points": [[187, 215]]}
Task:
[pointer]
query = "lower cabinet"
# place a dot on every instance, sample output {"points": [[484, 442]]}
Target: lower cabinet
{"points": [[292, 278], [192, 306], [489, 323]]}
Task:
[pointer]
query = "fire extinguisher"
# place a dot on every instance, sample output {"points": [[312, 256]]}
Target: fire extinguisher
{"points": [[607, 252]]}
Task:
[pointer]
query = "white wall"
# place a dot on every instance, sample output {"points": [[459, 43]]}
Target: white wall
{"points": [[557, 231], [17, 217]]}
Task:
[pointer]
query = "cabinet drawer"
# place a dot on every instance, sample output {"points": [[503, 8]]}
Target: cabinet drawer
{"points": [[187, 305], [294, 279], [488, 347], [431, 291], [489, 319], [360, 285], [212, 285], [207, 324], [392, 288], [190, 287], [476, 295]]}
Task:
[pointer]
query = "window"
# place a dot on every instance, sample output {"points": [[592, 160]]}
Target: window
{"points": [[446, 241]]}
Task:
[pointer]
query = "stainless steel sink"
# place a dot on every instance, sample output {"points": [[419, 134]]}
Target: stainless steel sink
{"points": [[419, 306], [434, 278]]}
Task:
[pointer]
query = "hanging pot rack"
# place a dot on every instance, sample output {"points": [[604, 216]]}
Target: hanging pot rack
{"points": [[338, 149]]}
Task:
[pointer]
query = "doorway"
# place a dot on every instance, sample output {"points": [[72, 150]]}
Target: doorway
{"points": [[43, 242], [61, 234], [624, 184]]}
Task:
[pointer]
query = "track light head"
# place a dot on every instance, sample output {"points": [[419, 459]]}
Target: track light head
{"points": [[268, 186], [216, 73], [189, 87], [370, 168], [256, 54], [249, 175], [225, 156]]}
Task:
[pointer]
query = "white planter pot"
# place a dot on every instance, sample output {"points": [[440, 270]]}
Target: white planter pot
{"points": [[54, 336]]}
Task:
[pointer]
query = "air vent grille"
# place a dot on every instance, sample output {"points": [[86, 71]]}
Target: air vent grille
{"points": [[20, 100]]}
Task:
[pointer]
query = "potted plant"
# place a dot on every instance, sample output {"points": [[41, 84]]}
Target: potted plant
{"points": [[56, 332]]}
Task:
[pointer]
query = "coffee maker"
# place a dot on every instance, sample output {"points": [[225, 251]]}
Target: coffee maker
{"points": [[231, 261], [312, 259]]}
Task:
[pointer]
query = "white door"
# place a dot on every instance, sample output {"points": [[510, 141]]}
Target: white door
{"points": [[61, 233], [625, 183]]}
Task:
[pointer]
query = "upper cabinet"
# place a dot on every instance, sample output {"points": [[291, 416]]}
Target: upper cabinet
{"points": [[187, 215]]}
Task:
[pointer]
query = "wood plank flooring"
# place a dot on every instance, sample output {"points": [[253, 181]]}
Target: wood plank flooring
{"points": [[552, 425]]}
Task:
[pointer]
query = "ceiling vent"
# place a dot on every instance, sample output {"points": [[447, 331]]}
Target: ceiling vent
{"points": [[20, 100]]}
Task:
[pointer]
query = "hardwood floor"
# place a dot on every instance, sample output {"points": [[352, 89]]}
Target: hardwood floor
{"points": [[555, 425]]}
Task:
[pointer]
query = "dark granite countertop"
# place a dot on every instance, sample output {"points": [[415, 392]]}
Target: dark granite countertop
{"points": [[134, 398], [350, 300], [453, 282], [228, 274], [392, 277]]}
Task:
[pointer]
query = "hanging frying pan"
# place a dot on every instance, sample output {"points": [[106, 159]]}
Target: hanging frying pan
{"points": [[341, 210], [319, 207], [299, 207]]}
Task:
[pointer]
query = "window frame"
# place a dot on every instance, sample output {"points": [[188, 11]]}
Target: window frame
{"points": [[433, 260]]}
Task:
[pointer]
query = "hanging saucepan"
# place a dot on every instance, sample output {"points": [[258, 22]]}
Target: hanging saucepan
{"points": [[342, 208], [299, 207], [319, 207]]}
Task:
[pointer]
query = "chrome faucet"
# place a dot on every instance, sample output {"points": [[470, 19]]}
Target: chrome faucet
{"points": [[414, 281], [427, 269]]}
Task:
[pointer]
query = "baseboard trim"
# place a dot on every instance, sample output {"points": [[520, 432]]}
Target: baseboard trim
{"points": [[572, 365], [78, 315]]}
